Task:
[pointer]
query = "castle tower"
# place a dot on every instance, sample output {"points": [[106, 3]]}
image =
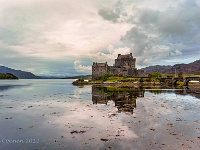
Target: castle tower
{"points": [[99, 69], [126, 61]]}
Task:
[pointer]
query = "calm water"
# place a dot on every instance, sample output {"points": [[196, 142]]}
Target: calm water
{"points": [[54, 114]]}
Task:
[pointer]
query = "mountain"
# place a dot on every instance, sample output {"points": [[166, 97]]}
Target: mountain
{"points": [[191, 68], [20, 74]]}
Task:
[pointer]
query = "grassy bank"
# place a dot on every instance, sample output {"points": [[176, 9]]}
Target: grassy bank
{"points": [[153, 79], [184, 75], [128, 79]]}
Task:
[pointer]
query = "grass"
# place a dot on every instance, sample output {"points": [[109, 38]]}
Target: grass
{"points": [[128, 79]]}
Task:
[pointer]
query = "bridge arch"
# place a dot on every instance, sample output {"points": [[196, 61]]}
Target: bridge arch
{"points": [[188, 79], [175, 80]]}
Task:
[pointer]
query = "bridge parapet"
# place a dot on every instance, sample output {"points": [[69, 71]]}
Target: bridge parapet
{"points": [[193, 78], [173, 81], [166, 80]]}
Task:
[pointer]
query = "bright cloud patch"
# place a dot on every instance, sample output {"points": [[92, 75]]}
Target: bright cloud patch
{"points": [[111, 54], [81, 68]]}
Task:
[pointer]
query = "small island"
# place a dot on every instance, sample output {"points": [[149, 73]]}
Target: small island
{"points": [[7, 76], [152, 79], [125, 74]]}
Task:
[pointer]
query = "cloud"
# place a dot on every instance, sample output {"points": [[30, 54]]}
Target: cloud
{"points": [[110, 54], [53, 31], [111, 13], [60, 28], [45, 35], [81, 68], [159, 34]]}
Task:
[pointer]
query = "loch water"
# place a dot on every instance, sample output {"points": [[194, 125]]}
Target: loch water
{"points": [[50, 114]]}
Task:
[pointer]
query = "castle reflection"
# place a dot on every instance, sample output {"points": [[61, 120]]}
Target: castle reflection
{"points": [[124, 98]]}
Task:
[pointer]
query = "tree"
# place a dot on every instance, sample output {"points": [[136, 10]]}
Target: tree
{"points": [[7, 76], [106, 76]]}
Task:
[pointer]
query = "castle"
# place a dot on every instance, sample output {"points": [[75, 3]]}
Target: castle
{"points": [[124, 66]]}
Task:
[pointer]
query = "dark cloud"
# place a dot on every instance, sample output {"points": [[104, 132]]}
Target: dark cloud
{"points": [[157, 35]]}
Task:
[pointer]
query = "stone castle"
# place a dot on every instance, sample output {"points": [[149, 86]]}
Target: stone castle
{"points": [[124, 66]]}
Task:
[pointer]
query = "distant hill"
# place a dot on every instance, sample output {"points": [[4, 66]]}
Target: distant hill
{"points": [[20, 74], [51, 77], [193, 68], [78, 77]]}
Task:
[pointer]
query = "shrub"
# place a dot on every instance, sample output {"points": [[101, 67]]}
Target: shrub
{"points": [[81, 79], [170, 76], [155, 75], [148, 80], [106, 76], [141, 80]]}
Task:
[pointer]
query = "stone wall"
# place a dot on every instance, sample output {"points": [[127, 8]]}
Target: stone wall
{"points": [[99, 69]]}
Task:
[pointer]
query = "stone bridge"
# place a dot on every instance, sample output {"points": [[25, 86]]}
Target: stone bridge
{"points": [[188, 79], [173, 81]]}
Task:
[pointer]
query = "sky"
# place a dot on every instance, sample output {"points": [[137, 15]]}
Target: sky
{"points": [[64, 37]]}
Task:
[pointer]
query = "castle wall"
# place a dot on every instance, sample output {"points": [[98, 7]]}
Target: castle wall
{"points": [[140, 73], [132, 72], [98, 70]]}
